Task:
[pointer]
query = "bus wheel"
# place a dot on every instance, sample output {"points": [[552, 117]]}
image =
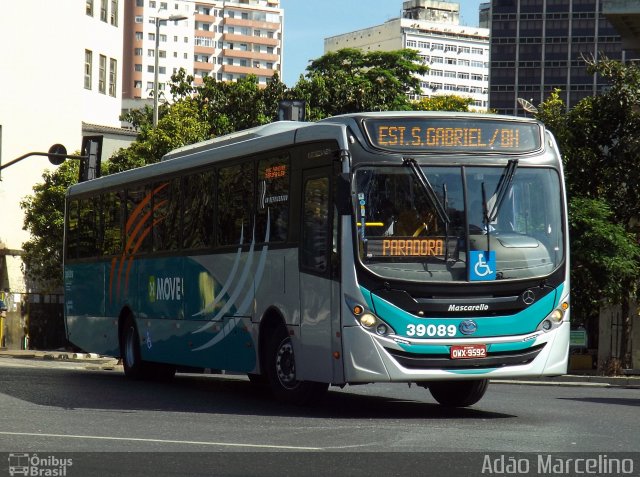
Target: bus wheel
{"points": [[458, 393], [281, 372], [130, 350], [134, 366]]}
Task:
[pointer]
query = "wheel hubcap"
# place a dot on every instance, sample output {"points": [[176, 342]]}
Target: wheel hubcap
{"points": [[285, 365]]}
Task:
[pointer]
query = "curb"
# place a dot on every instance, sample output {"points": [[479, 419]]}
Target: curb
{"points": [[56, 356], [576, 380]]}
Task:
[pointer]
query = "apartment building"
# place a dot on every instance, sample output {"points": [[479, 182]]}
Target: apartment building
{"points": [[540, 45], [225, 39], [457, 56]]}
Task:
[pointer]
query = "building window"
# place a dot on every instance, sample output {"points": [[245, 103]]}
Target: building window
{"points": [[88, 63], [102, 75], [113, 75], [138, 67], [139, 36], [103, 10], [137, 52], [90, 8], [137, 84], [114, 12]]}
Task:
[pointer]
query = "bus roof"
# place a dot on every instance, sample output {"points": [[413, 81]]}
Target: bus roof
{"points": [[269, 136], [236, 137]]}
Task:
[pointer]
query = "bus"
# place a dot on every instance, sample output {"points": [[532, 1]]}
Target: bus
{"points": [[408, 247]]}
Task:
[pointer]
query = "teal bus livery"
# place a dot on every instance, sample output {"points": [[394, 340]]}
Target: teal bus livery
{"points": [[426, 248]]}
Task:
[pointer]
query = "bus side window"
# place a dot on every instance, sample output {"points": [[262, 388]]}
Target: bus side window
{"points": [[113, 223], [88, 228], [235, 204], [198, 210], [72, 229], [166, 216], [316, 230], [273, 198]]}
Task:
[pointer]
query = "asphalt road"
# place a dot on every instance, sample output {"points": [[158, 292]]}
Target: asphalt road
{"points": [[222, 425]]}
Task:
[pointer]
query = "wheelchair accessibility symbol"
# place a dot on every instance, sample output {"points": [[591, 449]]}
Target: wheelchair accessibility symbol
{"points": [[482, 265]]}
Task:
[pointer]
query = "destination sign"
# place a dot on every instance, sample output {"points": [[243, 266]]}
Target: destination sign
{"points": [[405, 247], [453, 134]]}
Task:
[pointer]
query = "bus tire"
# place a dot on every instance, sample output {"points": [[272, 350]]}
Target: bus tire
{"points": [[281, 372], [458, 393], [134, 366]]}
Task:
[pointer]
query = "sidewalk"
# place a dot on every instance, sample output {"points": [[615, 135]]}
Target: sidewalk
{"points": [[632, 381], [58, 355]]}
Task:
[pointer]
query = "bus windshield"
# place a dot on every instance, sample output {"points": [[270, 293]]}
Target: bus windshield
{"points": [[403, 233]]}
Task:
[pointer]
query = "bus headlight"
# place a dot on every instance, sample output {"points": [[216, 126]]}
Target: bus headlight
{"points": [[554, 319], [368, 320]]}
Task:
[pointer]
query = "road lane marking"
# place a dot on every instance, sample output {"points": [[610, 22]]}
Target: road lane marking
{"points": [[161, 441]]}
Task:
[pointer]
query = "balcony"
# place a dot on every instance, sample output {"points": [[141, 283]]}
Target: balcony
{"points": [[259, 40], [624, 15], [246, 70], [239, 22], [252, 55]]}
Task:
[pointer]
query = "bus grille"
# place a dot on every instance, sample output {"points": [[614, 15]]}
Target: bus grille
{"points": [[444, 361]]}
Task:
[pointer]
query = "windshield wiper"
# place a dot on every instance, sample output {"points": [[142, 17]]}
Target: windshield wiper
{"points": [[500, 193], [426, 186], [502, 188]]}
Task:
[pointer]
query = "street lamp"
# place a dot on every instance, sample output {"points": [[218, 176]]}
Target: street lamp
{"points": [[159, 21]]}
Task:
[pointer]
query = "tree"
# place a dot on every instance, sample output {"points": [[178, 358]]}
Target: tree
{"points": [[351, 81], [443, 103], [600, 141], [605, 258], [44, 220]]}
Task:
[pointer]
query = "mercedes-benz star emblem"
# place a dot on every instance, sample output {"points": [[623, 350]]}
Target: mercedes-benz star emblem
{"points": [[468, 327], [528, 297]]}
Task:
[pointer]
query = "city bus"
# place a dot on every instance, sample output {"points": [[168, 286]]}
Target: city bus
{"points": [[388, 247]]}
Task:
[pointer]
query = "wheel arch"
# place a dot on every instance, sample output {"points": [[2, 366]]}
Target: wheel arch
{"points": [[272, 319], [125, 313]]}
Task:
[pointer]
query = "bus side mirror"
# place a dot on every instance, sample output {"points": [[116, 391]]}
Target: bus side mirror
{"points": [[343, 194]]}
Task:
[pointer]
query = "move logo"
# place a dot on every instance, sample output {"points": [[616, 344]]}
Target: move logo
{"points": [[166, 288]]}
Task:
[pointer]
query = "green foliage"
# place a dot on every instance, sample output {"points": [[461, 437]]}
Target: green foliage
{"points": [[605, 258], [351, 81], [443, 103], [44, 220], [600, 142]]}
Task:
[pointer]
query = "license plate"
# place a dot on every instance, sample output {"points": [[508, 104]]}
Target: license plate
{"points": [[469, 351]]}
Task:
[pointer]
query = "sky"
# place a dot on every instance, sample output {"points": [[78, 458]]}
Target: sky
{"points": [[308, 22]]}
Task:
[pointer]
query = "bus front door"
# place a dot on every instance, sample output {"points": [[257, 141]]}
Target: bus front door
{"points": [[319, 318]]}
